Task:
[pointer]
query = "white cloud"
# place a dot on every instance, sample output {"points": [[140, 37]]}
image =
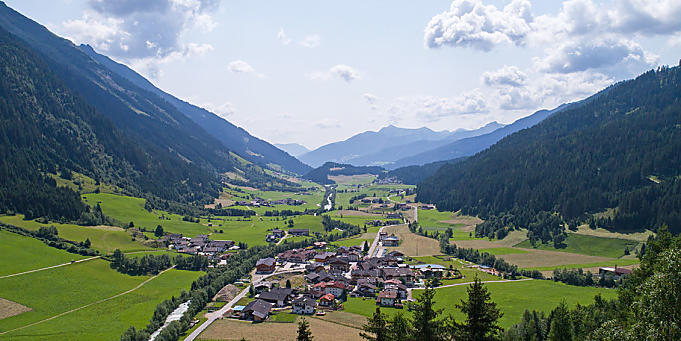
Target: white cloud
{"points": [[282, 37], [327, 123], [311, 41], [575, 56], [470, 23], [371, 99], [140, 29], [344, 72], [508, 75], [675, 40], [240, 66]]}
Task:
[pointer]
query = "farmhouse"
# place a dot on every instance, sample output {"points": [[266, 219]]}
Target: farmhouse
{"points": [[617, 272], [280, 297], [304, 306], [387, 298], [265, 265], [257, 310], [327, 300], [391, 240]]}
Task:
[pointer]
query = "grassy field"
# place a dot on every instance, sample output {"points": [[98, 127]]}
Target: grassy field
{"points": [[462, 226], [503, 251], [589, 245], [127, 209], [468, 273], [106, 239], [229, 329], [514, 297], [54, 291], [618, 262], [28, 254], [359, 179], [412, 244], [108, 320]]}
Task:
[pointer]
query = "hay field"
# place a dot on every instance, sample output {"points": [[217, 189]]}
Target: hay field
{"points": [[412, 244], [229, 329]]}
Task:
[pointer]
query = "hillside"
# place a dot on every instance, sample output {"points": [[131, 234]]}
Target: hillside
{"points": [[46, 128], [321, 174], [620, 148], [386, 145], [469, 146], [234, 138]]}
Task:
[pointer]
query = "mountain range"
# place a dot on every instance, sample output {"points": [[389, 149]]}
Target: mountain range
{"points": [[388, 145]]}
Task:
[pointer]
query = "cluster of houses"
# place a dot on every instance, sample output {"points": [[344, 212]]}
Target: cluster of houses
{"points": [[258, 202], [332, 276], [199, 245], [277, 234]]}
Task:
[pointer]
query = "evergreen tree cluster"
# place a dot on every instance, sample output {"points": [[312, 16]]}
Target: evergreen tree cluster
{"points": [[617, 149], [139, 266]]}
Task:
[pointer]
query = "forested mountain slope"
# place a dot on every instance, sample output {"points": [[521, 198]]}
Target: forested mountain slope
{"points": [[45, 127], [235, 138], [620, 149], [139, 113]]}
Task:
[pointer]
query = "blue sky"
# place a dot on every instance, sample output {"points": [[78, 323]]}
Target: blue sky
{"points": [[314, 72]]}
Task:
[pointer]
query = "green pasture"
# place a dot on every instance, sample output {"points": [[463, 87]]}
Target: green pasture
{"points": [[21, 253], [589, 245]]}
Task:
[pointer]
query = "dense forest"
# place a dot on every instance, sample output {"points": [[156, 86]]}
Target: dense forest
{"points": [[620, 148], [414, 175], [321, 174]]}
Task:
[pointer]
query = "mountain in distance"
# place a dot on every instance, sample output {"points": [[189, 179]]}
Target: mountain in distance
{"points": [[294, 149], [321, 174], [472, 145], [618, 150], [387, 145]]}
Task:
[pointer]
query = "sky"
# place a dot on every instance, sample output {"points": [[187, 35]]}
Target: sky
{"points": [[314, 72]]}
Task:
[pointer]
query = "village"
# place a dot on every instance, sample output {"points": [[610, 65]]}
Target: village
{"points": [[330, 277]]}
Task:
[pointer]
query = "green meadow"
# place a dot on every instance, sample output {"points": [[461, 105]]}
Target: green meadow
{"points": [[513, 298], [54, 291], [589, 245], [108, 320], [106, 239], [28, 254]]}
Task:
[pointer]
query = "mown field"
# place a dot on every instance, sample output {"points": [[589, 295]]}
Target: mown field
{"points": [[130, 209], [108, 320], [589, 245], [22, 253], [60, 290], [513, 298], [106, 239]]}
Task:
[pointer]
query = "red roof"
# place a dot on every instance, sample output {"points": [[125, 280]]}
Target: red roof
{"points": [[328, 297]]}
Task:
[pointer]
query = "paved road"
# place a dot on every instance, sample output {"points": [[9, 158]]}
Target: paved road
{"points": [[374, 245], [217, 314], [416, 214], [282, 238], [467, 283], [88, 305], [49, 267]]}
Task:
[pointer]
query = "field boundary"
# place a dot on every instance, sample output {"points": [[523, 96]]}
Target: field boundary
{"points": [[49, 267], [88, 305]]}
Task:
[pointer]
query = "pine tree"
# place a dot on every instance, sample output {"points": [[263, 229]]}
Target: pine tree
{"points": [[159, 231], [399, 328], [304, 333], [561, 326], [375, 327], [481, 313], [424, 323]]}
